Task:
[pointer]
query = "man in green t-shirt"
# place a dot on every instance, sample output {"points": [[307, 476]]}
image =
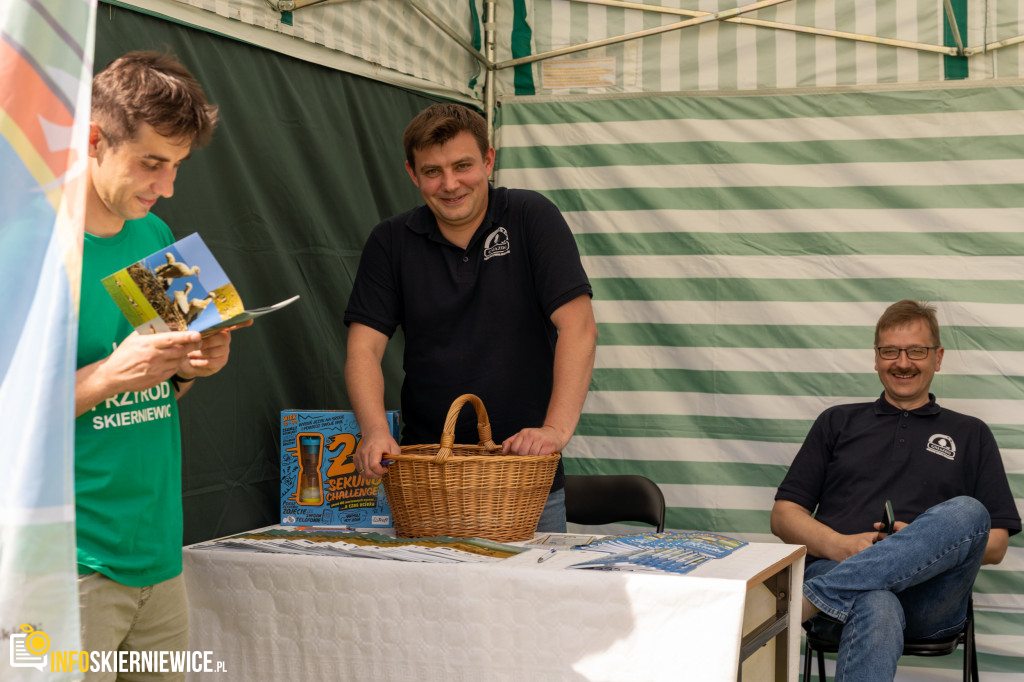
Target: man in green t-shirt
{"points": [[148, 114]]}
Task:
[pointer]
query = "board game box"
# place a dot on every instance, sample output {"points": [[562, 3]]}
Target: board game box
{"points": [[319, 482]]}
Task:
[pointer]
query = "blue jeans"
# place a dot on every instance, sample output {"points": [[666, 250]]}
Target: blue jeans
{"points": [[915, 583], [552, 519]]}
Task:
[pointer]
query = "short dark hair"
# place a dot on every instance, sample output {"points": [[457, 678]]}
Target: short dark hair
{"points": [[438, 124], [902, 313], [152, 88]]}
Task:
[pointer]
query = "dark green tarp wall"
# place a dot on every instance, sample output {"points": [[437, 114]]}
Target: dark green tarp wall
{"points": [[305, 162]]}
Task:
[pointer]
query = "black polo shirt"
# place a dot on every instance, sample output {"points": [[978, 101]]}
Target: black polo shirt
{"points": [[859, 455], [476, 320]]}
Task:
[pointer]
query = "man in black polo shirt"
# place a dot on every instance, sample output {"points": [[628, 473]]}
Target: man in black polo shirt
{"points": [[488, 288], [943, 473]]}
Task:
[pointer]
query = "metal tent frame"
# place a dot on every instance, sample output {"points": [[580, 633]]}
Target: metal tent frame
{"points": [[487, 59]]}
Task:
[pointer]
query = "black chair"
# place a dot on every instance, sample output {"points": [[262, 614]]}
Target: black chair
{"points": [[597, 500], [913, 647]]}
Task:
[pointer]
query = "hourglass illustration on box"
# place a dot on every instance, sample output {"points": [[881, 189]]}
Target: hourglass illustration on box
{"points": [[311, 456]]}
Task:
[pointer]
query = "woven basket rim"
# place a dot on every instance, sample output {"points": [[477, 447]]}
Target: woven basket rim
{"points": [[465, 458]]}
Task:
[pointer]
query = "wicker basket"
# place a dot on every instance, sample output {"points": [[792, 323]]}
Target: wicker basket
{"points": [[467, 490]]}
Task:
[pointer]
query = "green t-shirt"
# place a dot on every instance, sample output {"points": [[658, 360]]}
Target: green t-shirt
{"points": [[128, 447]]}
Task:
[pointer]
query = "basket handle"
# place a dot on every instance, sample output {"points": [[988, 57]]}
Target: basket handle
{"points": [[483, 427]]}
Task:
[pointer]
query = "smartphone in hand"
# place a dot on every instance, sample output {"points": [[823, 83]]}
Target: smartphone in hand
{"points": [[888, 519]]}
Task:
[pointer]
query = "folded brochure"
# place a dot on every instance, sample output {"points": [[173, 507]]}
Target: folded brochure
{"points": [[180, 287], [667, 552]]}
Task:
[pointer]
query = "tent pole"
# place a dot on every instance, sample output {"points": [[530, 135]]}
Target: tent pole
{"points": [[988, 47], [489, 52], [951, 17], [433, 18], [779, 26], [696, 21], [486, 59]]}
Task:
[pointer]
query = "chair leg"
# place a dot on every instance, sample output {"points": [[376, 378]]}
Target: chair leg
{"points": [[967, 659], [807, 662], [970, 655], [821, 667]]}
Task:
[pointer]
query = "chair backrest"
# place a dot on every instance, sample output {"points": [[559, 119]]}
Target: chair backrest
{"points": [[592, 500]]}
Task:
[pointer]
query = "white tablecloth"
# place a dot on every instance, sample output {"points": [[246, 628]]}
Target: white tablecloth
{"points": [[286, 617]]}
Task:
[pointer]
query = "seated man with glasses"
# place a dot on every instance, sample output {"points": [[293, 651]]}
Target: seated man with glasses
{"points": [[944, 475]]}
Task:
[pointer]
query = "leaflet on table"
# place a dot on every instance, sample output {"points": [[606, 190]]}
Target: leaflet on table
{"points": [[346, 543], [563, 540], [710, 544], [647, 560], [657, 552], [180, 287]]}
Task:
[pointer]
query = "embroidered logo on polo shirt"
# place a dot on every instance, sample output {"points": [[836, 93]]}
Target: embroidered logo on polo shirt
{"points": [[497, 244], [942, 445]]}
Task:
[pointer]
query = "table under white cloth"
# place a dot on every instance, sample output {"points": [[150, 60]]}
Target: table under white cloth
{"points": [[287, 617]]}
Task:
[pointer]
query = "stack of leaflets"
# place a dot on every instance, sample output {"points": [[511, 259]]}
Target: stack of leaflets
{"points": [[340, 542], [657, 552]]}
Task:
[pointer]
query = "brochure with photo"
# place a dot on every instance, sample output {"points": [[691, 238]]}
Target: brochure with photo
{"points": [[180, 287]]}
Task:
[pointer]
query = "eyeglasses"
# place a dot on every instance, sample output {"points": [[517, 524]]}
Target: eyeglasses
{"points": [[913, 353]]}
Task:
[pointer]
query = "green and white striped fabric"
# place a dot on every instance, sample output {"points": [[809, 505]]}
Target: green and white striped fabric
{"points": [[386, 40], [734, 56], [389, 40], [741, 249]]}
